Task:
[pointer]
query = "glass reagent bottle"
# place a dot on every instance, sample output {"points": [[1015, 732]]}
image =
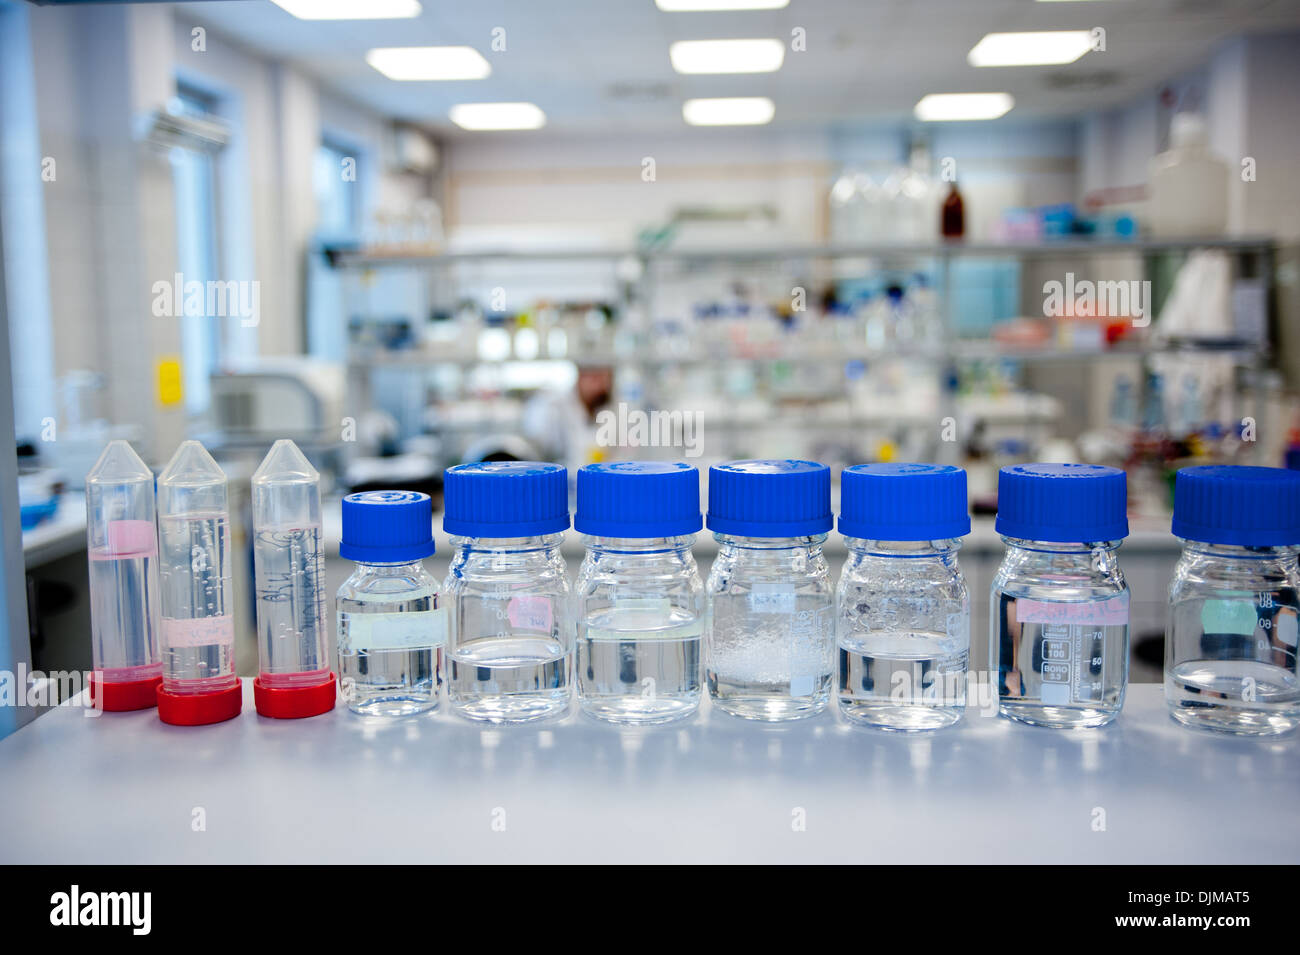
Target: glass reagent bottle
{"points": [[391, 625], [1059, 604], [510, 634], [903, 608], [1234, 601], [639, 600], [770, 637]]}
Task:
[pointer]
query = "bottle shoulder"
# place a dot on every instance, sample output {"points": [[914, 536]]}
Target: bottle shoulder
{"points": [[1061, 575], [867, 571], [542, 572], [802, 571], [608, 577], [381, 582], [1202, 574]]}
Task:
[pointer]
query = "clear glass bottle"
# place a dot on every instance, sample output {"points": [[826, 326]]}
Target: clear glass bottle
{"points": [[391, 625], [1234, 601], [903, 609], [197, 626], [510, 633], [1059, 605], [639, 599], [122, 551], [294, 674], [770, 640]]}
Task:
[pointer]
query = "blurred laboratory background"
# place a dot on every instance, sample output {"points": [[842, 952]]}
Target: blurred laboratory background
{"points": [[413, 233]]}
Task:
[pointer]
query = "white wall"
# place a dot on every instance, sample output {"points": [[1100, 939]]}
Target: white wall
{"points": [[1272, 136], [109, 218], [577, 190], [591, 188], [22, 194]]}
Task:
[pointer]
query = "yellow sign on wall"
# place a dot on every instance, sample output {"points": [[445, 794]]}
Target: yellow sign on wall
{"points": [[170, 389]]}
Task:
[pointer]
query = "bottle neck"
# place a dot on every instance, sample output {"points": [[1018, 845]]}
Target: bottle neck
{"points": [[941, 548], [402, 569], [1054, 560], [507, 545], [809, 542], [1084, 548], [638, 545], [1279, 552]]}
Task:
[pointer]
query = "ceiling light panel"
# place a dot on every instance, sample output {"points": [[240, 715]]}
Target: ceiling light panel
{"points": [[497, 116], [727, 56], [1053, 48], [350, 9], [429, 62], [729, 111], [945, 107], [697, 6]]}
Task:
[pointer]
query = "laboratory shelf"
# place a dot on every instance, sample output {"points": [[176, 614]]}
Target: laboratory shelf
{"points": [[1045, 248], [123, 787], [960, 351]]}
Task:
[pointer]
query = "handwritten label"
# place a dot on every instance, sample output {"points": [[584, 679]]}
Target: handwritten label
{"points": [[198, 632], [530, 613], [412, 630], [771, 598]]}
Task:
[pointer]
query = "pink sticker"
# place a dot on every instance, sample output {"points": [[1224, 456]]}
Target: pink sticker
{"points": [[130, 539], [1113, 611], [130, 674], [199, 632], [530, 613]]}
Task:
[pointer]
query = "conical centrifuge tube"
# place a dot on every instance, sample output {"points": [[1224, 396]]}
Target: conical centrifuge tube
{"points": [[197, 626], [294, 676], [122, 547]]}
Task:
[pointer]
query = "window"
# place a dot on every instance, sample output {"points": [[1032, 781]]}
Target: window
{"points": [[337, 186], [194, 177], [338, 207]]}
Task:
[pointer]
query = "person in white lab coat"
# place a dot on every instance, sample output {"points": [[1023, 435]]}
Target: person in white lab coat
{"points": [[562, 422]]}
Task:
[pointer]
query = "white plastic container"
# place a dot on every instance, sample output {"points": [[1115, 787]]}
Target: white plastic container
{"points": [[1188, 184]]}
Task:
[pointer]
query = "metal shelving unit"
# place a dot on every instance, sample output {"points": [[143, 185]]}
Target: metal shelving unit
{"points": [[637, 347]]}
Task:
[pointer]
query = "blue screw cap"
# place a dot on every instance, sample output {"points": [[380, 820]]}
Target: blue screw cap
{"points": [[903, 502], [1242, 506], [638, 500], [1062, 503], [505, 499], [387, 527], [770, 498]]}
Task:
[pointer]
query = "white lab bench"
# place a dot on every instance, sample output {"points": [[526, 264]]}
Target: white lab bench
{"points": [[125, 788]]}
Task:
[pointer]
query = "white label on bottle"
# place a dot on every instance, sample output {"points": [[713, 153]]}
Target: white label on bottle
{"points": [[643, 604], [1074, 635], [772, 598], [810, 632], [411, 630], [196, 632]]}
